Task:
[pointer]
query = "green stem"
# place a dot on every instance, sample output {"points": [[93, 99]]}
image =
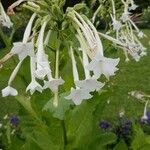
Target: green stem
{"points": [[55, 102], [64, 133]]}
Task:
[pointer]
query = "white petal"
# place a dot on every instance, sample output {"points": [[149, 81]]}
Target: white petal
{"points": [[106, 66], [53, 84], [90, 84], [9, 91], [78, 95], [34, 86]]}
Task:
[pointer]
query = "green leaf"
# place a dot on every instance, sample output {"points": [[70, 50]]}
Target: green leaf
{"points": [[145, 147], [121, 146], [79, 124], [26, 103], [107, 138], [63, 106]]}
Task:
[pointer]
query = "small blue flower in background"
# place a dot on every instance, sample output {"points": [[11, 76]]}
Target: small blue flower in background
{"points": [[14, 120], [148, 115], [104, 124], [124, 129]]}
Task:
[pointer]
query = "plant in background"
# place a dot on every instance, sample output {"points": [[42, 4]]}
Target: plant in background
{"points": [[53, 35]]}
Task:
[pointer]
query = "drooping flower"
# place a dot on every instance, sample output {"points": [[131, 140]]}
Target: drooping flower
{"points": [[106, 66], [133, 5], [78, 95], [9, 91], [22, 49], [144, 117], [53, 84], [34, 85], [42, 59], [88, 83], [99, 64], [4, 18]]}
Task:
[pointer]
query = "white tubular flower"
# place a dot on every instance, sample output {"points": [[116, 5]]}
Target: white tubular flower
{"points": [[24, 48], [144, 117], [140, 34], [78, 95], [125, 16], [133, 5], [9, 91], [106, 66], [42, 67], [89, 83], [116, 24], [4, 18], [53, 84], [42, 59], [34, 85]]}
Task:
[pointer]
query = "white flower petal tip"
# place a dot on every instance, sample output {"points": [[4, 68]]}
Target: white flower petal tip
{"points": [[4, 18], [133, 7], [106, 66], [22, 49], [34, 86], [9, 91], [140, 34], [89, 84], [53, 84], [144, 118], [116, 25], [43, 68], [78, 95], [7, 24], [125, 16]]}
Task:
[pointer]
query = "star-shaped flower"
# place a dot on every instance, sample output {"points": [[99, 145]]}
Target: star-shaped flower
{"points": [[42, 69], [106, 66], [133, 7], [53, 84], [125, 16], [89, 84], [9, 91], [34, 86], [78, 95], [140, 34], [116, 25], [4, 18], [22, 49]]}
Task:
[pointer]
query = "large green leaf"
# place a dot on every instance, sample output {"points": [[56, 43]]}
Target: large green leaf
{"points": [[79, 124], [63, 106], [121, 146]]}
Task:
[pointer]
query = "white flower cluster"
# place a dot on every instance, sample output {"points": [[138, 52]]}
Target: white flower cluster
{"points": [[127, 33], [39, 64], [93, 60], [4, 18]]}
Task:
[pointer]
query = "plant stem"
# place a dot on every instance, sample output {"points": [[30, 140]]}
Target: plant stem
{"points": [[64, 133], [55, 102]]}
